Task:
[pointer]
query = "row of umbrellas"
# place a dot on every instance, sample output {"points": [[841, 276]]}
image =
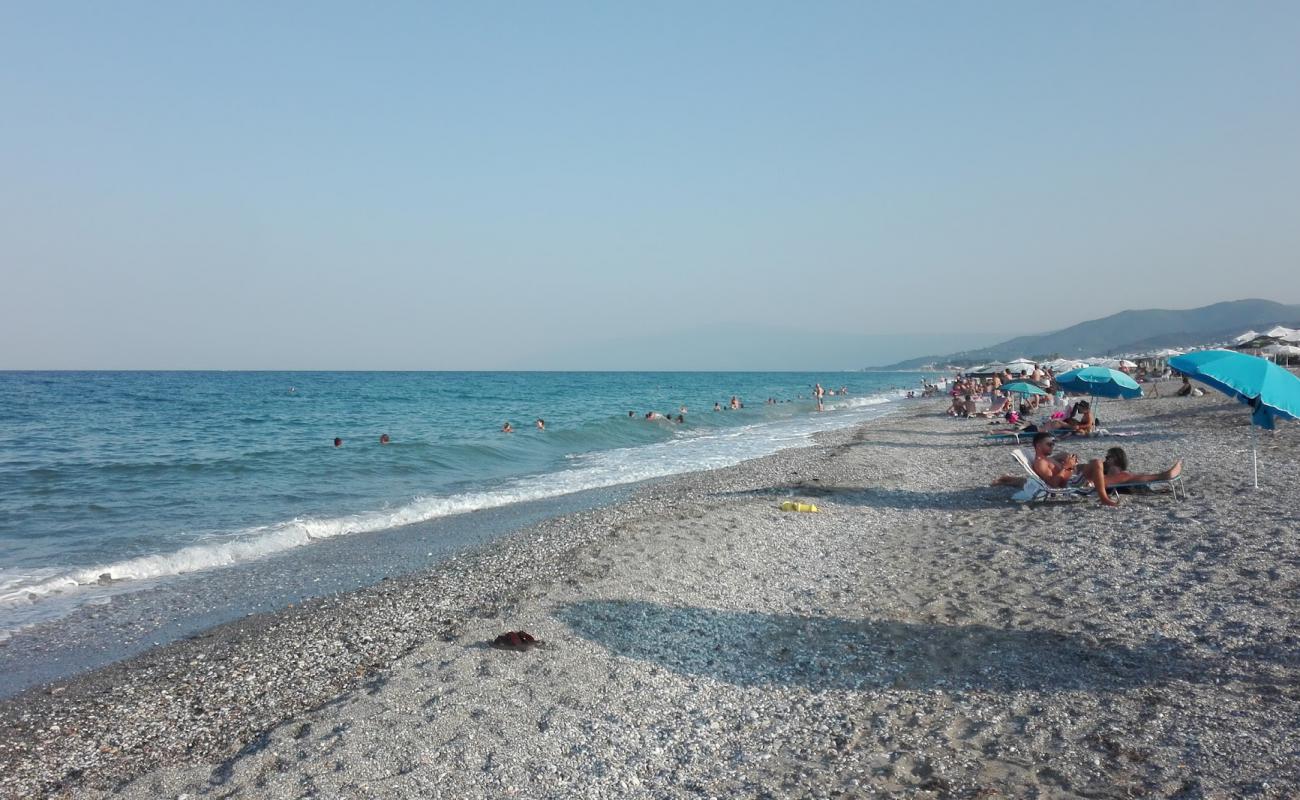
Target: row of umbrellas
{"points": [[1279, 333]]}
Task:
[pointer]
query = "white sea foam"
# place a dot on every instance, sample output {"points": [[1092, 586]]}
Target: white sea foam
{"points": [[688, 452]]}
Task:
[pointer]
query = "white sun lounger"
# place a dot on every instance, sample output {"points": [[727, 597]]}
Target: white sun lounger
{"points": [[1036, 491]]}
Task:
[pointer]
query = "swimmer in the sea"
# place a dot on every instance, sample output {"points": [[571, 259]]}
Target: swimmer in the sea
{"points": [[541, 424], [338, 442], [383, 438], [507, 428]]}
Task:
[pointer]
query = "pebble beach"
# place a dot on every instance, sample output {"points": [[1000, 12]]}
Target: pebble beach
{"points": [[921, 635]]}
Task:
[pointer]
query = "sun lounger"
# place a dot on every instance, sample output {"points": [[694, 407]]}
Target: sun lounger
{"points": [[1176, 487], [1035, 491]]}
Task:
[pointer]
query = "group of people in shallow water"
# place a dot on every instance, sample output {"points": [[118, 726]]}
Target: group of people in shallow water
{"points": [[383, 439], [508, 428], [734, 404]]}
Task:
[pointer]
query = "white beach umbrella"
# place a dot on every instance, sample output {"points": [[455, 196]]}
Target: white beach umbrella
{"points": [[1281, 350], [1245, 337], [1279, 332]]}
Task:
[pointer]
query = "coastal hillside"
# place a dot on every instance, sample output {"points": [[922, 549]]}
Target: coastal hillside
{"points": [[1130, 331]]}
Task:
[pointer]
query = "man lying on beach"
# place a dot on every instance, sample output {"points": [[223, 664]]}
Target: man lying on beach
{"points": [[1062, 470]]}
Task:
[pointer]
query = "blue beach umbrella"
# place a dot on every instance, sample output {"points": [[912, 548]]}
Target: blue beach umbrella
{"points": [[1099, 382], [1022, 387], [1269, 390]]}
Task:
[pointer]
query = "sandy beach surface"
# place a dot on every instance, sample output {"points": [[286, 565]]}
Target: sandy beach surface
{"points": [[921, 636]]}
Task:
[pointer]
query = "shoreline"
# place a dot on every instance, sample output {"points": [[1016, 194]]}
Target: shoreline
{"points": [[469, 582], [922, 634], [75, 580]]}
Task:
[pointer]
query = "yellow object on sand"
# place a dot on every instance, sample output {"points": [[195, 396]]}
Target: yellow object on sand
{"points": [[790, 505]]}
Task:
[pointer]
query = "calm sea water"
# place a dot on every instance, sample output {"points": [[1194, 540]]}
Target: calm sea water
{"points": [[114, 480]]}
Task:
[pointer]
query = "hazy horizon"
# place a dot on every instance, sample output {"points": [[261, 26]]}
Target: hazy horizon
{"points": [[412, 187]]}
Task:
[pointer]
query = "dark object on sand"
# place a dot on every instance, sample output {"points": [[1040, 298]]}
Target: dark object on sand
{"points": [[516, 640]]}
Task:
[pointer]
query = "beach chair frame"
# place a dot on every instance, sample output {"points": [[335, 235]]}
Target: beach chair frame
{"points": [[1176, 486]]}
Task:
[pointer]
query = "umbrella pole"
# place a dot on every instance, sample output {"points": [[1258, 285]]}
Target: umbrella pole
{"points": [[1254, 453]]}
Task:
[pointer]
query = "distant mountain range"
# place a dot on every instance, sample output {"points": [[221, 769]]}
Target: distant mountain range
{"points": [[1129, 332]]}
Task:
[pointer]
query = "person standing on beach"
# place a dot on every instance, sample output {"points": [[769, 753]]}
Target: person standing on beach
{"points": [[819, 392]]}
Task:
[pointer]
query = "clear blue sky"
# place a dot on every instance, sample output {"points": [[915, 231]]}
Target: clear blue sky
{"points": [[317, 185]]}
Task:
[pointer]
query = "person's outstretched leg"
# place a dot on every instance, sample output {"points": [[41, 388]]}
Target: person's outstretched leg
{"points": [[1149, 477]]}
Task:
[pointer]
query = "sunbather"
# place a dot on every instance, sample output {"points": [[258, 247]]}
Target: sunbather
{"points": [[1061, 470], [999, 408], [1116, 467], [1083, 425]]}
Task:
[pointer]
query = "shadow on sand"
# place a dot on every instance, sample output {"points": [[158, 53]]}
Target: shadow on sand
{"points": [[754, 649], [962, 499]]}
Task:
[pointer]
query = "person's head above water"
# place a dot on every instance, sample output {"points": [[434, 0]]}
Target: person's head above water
{"points": [[338, 442], [383, 438]]}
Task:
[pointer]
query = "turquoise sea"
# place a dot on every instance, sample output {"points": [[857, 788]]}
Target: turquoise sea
{"points": [[115, 481]]}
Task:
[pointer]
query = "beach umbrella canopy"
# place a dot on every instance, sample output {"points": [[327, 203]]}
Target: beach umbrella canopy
{"points": [[1248, 336], [1293, 337], [1278, 332], [1269, 390], [1281, 350], [1021, 387], [1100, 382], [1066, 364], [1116, 363]]}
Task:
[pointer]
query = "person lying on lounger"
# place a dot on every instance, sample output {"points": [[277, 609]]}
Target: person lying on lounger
{"points": [[1061, 470], [1116, 467], [1000, 408], [1080, 420]]}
